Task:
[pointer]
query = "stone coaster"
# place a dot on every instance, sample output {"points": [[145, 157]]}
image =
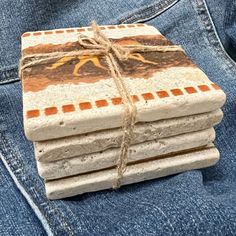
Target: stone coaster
{"points": [[108, 158], [71, 186], [76, 95], [51, 150]]}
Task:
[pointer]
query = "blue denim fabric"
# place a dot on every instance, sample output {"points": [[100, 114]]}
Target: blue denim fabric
{"points": [[16, 217], [201, 202], [223, 15]]}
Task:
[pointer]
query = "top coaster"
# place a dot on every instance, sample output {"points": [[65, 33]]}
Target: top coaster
{"points": [[76, 94]]}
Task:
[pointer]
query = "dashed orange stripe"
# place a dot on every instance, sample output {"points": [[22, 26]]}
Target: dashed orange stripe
{"points": [[135, 98], [111, 27], [118, 100], [25, 34], [140, 25], [48, 32], [203, 88], [147, 96], [50, 111], [37, 33], [70, 30], [215, 86], [190, 90], [68, 108], [121, 26], [80, 30], [32, 113], [162, 94], [101, 103], [61, 31], [85, 105], [176, 92]]}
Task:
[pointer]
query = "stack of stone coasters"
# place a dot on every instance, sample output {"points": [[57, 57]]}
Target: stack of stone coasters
{"points": [[73, 111]]}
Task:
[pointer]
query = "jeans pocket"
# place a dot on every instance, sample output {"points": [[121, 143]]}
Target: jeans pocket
{"points": [[148, 12], [8, 75]]}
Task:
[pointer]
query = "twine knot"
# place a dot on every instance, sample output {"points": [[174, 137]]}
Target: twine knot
{"points": [[105, 45], [100, 44]]}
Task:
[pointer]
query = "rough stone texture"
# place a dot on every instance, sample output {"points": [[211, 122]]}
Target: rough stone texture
{"points": [[108, 158], [67, 187], [51, 150], [60, 99]]}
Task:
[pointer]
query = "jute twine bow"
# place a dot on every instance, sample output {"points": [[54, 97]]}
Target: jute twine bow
{"points": [[101, 45]]}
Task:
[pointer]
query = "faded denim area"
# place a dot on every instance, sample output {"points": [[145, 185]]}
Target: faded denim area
{"points": [[201, 202]]}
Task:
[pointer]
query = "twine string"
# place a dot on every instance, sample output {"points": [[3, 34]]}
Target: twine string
{"points": [[100, 44]]}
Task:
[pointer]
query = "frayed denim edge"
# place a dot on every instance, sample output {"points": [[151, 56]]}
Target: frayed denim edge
{"points": [[29, 200]]}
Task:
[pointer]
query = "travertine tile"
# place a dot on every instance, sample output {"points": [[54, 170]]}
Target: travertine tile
{"points": [[108, 158], [51, 150], [71, 186], [76, 95]]}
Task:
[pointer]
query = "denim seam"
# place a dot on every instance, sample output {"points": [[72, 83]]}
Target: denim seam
{"points": [[147, 13], [212, 33], [12, 164], [34, 207], [142, 14], [9, 75], [151, 11]]}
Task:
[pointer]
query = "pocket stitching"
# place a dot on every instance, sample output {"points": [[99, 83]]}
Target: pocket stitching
{"points": [[147, 13]]}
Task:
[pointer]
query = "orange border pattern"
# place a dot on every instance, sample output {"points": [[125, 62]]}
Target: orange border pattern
{"points": [[68, 108], [83, 29]]}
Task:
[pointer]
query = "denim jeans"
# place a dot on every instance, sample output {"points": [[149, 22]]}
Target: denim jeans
{"points": [[200, 202]]}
